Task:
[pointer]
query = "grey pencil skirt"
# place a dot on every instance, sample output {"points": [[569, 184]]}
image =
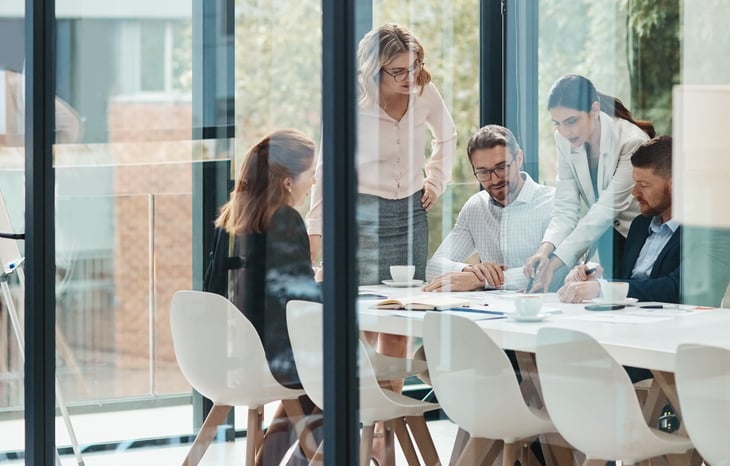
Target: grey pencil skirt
{"points": [[391, 232]]}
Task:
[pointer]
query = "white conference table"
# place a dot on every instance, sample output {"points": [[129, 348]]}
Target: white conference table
{"points": [[634, 336]]}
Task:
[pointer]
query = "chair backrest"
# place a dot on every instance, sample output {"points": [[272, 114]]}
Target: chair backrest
{"points": [[472, 377], [218, 350], [588, 395], [304, 323], [703, 385]]}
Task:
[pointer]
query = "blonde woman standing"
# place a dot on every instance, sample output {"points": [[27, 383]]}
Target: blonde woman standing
{"points": [[398, 105], [397, 183]]}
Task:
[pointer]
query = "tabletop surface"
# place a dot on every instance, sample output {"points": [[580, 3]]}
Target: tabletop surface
{"points": [[634, 336]]}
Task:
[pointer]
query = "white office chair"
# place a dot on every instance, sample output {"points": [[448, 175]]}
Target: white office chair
{"points": [[304, 322], [477, 388], [703, 385], [592, 402], [221, 356]]}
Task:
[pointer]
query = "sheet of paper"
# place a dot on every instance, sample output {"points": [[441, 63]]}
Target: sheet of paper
{"points": [[469, 315], [619, 318]]}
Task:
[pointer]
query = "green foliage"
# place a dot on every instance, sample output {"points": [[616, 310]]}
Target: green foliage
{"points": [[278, 67], [629, 49], [653, 51]]}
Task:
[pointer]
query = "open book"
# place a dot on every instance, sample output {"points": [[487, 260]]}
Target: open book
{"points": [[423, 302]]}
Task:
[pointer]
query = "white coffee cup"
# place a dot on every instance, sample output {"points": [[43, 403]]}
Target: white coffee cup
{"points": [[402, 273], [614, 292], [528, 305]]}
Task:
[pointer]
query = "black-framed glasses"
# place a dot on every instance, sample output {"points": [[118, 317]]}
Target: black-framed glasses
{"points": [[401, 75], [485, 174]]}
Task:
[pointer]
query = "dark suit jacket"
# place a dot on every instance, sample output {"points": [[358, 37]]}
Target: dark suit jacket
{"points": [[663, 282]]}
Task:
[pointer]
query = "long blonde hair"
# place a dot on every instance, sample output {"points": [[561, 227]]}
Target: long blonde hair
{"points": [[377, 49], [260, 189]]}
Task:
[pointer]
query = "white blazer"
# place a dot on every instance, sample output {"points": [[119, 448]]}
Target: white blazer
{"points": [[615, 207]]}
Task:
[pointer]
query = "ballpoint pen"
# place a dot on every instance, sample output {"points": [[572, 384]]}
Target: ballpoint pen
{"points": [[531, 280], [529, 285]]}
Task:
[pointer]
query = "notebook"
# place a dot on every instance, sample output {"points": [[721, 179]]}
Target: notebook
{"points": [[424, 302]]}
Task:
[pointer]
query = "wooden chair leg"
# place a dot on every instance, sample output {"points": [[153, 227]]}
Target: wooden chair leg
{"points": [[495, 448], [423, 439], [206, 434], [298, 420], [253, 441], [404, 439], [594, 462], [679, 460], [473, 452], [462, 437], [557, 451], [389, 444], [694, 458], [527, 458], [318, 458], [366, 444], [509, 453]]}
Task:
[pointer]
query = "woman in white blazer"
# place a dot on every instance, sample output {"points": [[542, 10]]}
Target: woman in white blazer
{"points": [[595, 136]]}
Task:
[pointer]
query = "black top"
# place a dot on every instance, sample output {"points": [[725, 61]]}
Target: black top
{"points": [[278, 269]]}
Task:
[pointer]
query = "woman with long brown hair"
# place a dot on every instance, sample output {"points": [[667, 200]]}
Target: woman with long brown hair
{"points": [[272, 242]]}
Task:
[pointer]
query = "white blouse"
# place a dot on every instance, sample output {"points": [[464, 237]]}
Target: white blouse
{"points": [[391, 154]]}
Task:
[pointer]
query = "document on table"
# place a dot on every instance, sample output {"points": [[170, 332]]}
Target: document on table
{"points": [[472, 315], [620, 318]]}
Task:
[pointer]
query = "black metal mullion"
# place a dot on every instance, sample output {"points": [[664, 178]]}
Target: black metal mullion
{"points": [[40, 253], [213, 115], [491, 62], [521, 77], [341, 429]]}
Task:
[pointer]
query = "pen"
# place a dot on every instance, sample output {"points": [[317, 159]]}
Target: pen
{"points": [[652, 306], [478, 311], [530, 281], [529, 285]]}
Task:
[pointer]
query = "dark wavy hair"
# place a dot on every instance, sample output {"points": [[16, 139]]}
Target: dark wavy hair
{"points": [[579, 93]]}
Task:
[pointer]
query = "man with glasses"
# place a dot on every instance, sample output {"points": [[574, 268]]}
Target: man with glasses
{"points": [[503, 224]]}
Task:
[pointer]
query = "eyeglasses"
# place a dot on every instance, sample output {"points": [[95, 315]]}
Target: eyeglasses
{"points": [[485, 174], [401, 75]]}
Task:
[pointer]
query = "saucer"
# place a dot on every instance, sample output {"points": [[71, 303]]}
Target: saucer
{"points": [[625, 301], [536, 318], [407, 284]]}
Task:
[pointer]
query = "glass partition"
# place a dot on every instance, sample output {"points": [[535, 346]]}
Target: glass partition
{"points": [[12, 220], [145, 107]]}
